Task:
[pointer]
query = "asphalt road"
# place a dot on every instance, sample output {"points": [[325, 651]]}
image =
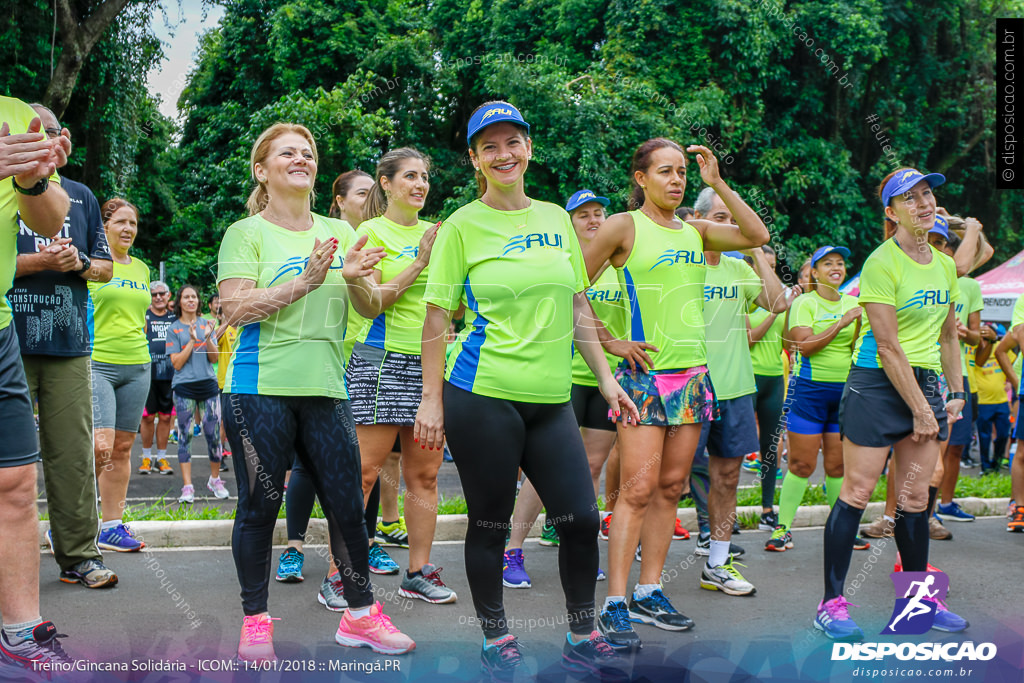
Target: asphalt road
{"points": [[182, 606]]}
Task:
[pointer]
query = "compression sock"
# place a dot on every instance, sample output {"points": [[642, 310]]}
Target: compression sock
{"points": [[840, 530], [933, 491], [793, 489], [832, 487], [911, 534]]}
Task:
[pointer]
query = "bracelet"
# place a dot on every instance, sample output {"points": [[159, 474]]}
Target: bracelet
{"points": [[34, 191], [954, 395]]}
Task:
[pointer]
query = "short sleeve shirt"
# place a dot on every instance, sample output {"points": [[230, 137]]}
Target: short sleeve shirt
{"points": [[198, 366], [766, 353], [117, 315], [832, 363], [156, 334], [730, 288], [608, 301], [297, 350], [920, 293], [970, 301], [49, 307], [517, 273]]}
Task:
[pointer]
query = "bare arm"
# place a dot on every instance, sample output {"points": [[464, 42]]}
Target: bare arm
{"points": [[429, 429], [612, 243], [1007, 344], [28, 158], [807, 343], [971, 334], [101, 270], [773, 295], [949, 350], [757, 333], [585, 339]]}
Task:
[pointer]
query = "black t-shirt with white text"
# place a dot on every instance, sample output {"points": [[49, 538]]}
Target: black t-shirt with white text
{"points": [[49, 307], [156, 333]]}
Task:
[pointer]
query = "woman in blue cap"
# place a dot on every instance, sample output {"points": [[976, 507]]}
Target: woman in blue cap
{"points": [[892, 397], [822, 329], [503, 401]]}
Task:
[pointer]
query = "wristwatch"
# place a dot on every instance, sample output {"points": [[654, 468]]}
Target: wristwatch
{"points": [[86, 263], [33, 191], [954, 395]]}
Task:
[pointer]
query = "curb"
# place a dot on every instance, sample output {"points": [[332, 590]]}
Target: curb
{"points": [[215, 533]]}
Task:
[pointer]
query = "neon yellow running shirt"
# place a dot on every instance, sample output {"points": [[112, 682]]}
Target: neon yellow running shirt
{"points": [[920, 293], [297, 350], [517, 273], [609, 304], [663, 278], [832, 363], [116, 315], [970, 301], [766, 353], [400, 327], [731, 287]]}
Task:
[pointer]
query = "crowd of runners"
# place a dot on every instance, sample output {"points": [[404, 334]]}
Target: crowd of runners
{"points": [[539, 345]]}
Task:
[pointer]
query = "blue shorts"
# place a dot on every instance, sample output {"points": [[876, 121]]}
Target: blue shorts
{"points": [[961, 432], [734, 434], [1018, 433], [813, 407]]}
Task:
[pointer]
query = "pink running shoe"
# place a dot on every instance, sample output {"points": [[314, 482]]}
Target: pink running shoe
{"points": [[257, 641], [374, 631]]}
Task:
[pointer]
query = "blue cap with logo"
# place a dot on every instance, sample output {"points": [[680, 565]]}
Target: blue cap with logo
{"points": [[904, 180], [822, 252], [581, 197], [941, 227], [493, 113]]}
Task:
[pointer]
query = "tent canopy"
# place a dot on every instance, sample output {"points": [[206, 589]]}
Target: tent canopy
{"points": [[1000, 288]]}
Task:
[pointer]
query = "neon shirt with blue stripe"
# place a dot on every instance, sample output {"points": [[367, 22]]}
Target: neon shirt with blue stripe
{"points": [[920, 293], [832, 363], [766, 353], [663, 278], [970, 301], [609, 304], [297, 350], [400, 327], [517, 273], [116, 315], [731, 288]]}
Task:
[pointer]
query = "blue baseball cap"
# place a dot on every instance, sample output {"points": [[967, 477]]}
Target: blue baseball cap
{"points": [[485, 116], [941, 227], [822, 252], [581, 197], [904, 180]]}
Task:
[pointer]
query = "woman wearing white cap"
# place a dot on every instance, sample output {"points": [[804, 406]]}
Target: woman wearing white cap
{"points": [[503, 401], [822, 329], [892, 397]]}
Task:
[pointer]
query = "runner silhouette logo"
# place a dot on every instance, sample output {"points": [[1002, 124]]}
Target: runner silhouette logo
{"points": [[917, 599]]}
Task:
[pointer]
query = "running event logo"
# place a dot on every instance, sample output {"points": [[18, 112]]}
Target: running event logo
{"points": [[715, 292], [917, 598], [122, 283], [411, 252], [671, 257], [296, 264], [927, 297], [518, 244]]}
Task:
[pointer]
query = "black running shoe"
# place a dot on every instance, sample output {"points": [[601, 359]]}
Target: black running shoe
{"points": [[656, 610], [594, 656], [614, 625], [502, 659]]}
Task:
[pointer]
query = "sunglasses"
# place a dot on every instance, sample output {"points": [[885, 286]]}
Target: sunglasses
{"points": [[159, 293]]}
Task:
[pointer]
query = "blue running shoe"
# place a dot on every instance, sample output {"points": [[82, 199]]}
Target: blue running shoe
{"points": [[601, 575], [381, 562], [953, 513], [119, 539], [834, 619], [513, 574], [946, 620], [289, 566], [615, 626]]}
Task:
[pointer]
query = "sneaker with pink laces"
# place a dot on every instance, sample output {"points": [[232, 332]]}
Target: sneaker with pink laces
{"points": [[257, 641], [834, 619], [217, 487], [374, 631]]}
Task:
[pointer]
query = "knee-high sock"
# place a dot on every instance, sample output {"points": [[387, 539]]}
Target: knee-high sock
{"points": [[933, 492], [911, 532], [840, 530], [832, 488], [793, 488]]}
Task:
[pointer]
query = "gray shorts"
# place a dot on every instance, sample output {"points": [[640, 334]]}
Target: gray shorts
{"points": [[119, 394], [17, 426]]}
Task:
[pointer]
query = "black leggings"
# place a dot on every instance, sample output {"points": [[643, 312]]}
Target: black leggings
{"points": [[768, 406], [269, 433], [298, 504], [490, 439]]}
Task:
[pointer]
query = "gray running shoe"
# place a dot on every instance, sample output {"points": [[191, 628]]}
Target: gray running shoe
{"points": [[332, 594], [90, 573], [427, 586], [726, 578]]}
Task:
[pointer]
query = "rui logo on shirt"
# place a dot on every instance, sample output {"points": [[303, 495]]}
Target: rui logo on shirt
{"points": [[411, 252], [605, 295], [716, 292], [121, 283], [296, 264], [671, 257], [927, 297], [518, 244]]}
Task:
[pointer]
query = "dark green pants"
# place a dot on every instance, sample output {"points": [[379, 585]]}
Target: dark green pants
{"points": [[63, 388]]}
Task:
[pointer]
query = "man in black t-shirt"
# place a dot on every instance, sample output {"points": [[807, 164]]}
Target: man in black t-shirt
{"points": [[160, 401], [49, 302]]}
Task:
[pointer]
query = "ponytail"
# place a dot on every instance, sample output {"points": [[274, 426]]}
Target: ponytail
{"points": [[340, 188], [641, 162], [388, 167]]}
